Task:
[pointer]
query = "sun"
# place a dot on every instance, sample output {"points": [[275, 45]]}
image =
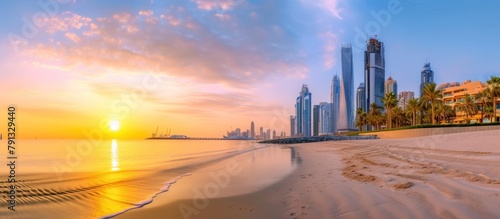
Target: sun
{"points": [[114, 125]]}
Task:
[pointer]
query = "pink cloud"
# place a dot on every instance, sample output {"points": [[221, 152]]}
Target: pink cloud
{"points": [[217, 4], [146, 13], [72, 36]]}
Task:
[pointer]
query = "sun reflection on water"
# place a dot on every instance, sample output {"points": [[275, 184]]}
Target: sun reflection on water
{"points": [[114, 155]]}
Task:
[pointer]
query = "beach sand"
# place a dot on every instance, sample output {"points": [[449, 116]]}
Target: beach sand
{"points": [[442, 176]]}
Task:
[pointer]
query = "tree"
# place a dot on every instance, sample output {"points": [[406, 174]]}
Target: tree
{"points": [[482, 98], [375, 116], [433, 97], [448, 112], [468, 106], [390, 102], [360, 119], [494, 90], [412, 108], [398, 115]]}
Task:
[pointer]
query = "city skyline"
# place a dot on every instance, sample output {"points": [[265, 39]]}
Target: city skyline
{"points": [[219, 63]]}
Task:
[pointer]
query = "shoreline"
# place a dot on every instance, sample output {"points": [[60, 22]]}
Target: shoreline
{"points": [[444, 176]]}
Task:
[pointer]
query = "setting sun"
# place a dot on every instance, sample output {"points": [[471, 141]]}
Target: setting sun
{"points": [[114, 125]]}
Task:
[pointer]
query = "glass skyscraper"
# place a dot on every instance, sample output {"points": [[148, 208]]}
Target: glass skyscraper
{"points": [[335, 101], [427, 77], [360, 97], [303, 112], [316, 120], [348, 84], [374, 73]]}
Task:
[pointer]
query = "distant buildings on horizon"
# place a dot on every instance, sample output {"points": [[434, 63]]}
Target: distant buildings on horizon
{"points": [[251, 135]]}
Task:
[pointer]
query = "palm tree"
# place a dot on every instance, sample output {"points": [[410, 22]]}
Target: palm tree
{"points": [[469, 107], [494, 90], [374, 116], [361, 119], [412, 108], [448, 112], [398, 115], [433, 97], [390, 102], [482, 98]]}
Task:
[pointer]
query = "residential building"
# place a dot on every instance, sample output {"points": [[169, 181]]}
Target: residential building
{"points": [[374, 72], [303, 111], [325, 119], [293, 125], [391, 86], [454, 96], [316, 120], [360, 97], [404, 97]]}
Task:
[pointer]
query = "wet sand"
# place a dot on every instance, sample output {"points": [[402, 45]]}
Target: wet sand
{"points": [[444, 176]]}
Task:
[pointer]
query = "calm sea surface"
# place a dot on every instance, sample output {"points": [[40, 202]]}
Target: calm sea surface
{"points": [[96, 179]]}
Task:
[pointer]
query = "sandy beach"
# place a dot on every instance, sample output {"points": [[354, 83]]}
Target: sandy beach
{"points": [[442, 176]]}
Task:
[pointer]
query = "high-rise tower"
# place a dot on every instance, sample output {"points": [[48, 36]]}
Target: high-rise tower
{"points": [[335, 101], [427, 77], [252, 130], [348, 84], [360, 97], [374, 72], [391, 85], [303, 111]]}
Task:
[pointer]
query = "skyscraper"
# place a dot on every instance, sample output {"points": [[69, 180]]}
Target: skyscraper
{"points": [[360, 97], [325, 119], [391, 86], [262, 136], [404, 97], [427, 77], [252, 130], [374, 72], [342, 123], [293, 125], [335, 101], [303, 112], [348, 83], [316, 120]]}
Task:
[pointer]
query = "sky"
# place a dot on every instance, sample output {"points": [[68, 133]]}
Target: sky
{"points": [[203, 67]]}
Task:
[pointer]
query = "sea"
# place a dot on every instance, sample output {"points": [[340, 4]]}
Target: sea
{"points": [[82, 178]]}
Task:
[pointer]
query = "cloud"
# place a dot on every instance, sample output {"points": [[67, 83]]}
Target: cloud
{"points": [[217, 4], [331, 6], [146, 13], [237, 49]]}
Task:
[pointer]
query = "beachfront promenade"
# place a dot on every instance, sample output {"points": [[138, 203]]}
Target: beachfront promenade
{"points": [[421, 132]]}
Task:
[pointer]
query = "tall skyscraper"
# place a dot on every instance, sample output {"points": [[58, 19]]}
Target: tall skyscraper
{"points": [[293, 125], [360, 97], [274, 134], [391, 86], [374, 72], [348, 83], [335, 101], [252, 130], [303, 111], [342, 120], [316, 120], [427, 77], [325, 119], [262, 136], [404, 97]]}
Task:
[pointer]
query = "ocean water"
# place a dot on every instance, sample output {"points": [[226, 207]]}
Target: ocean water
{"points": [[102, 179]]}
